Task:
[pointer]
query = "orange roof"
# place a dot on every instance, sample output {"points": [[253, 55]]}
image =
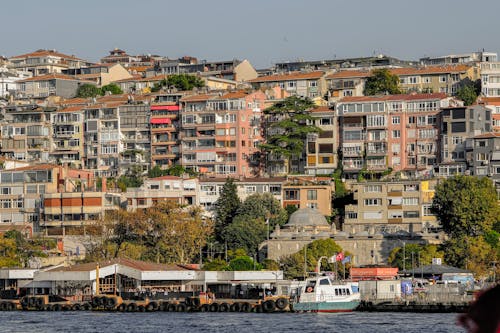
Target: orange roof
{"points": [[45, 53], [138, 68], [234, 95], [36, 167], [73, 101], [348, 74], [488, 135], [197, 98], [135, 77], [50, 77], [88, 76], [74, 108], [322, 109], [288, 77], [489, 100], [430, 70], [400, 97]]}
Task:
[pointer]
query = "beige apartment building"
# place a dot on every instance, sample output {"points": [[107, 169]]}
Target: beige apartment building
{"points": [[42, 62], [304, 84], [309, 192], [321, 148], [390, 207]]}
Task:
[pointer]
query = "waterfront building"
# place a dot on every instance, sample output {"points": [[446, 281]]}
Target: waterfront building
{"points": [[346, 83], [43, 86], [100, 74], [391, 207], [391, 133], [304, 84], [309, 192], [322, 147], [43, 62], [221, 133], [466, 58], [457, 124], [67, 137]]}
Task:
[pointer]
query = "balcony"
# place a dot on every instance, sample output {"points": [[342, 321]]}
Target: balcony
{"points": [[396, 220]]}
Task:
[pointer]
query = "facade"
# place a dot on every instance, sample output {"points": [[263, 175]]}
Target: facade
{"points": [[8, 81], [346, 83], [309, 192], [117, 56], [483, 154], [390, 207], [43, 62], [100, 74], [50, 85], [220, 133], [303, 84], [453, 59], [490, 79], [392, 131], [457, 125], [321, 148], [492, 103], [184, 191], [67, 138], [27, 135]]}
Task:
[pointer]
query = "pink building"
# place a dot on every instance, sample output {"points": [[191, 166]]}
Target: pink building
{"points": [[391, 131], [220, 133]]}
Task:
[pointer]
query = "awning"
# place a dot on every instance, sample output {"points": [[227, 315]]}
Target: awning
{"points": [[161, 121], [165, 107]]}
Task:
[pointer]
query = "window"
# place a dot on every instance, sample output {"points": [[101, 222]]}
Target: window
{"points": [[312, 195], [292, 195], [427, 210], [396, 120], [5, 190], [410, 201], [396, 134], [442, 78], [373, 202], [373, 188], [411, 214], [351, 215], [250, 189]]}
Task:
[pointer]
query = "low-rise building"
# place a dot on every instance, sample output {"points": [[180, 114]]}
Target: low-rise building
{"points": [[303, 84]]}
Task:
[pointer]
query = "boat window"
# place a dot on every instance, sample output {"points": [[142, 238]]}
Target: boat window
{"points": [[348, 292], [324, 282], [343, 291], [336, 292]]}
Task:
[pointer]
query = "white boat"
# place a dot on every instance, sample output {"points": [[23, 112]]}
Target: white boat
{"points": [[323, 294]]}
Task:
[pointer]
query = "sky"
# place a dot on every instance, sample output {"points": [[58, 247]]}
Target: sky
{"points": [[263, 31]]}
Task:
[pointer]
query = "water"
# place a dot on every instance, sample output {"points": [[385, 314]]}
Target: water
{"points": [[356, 322]]}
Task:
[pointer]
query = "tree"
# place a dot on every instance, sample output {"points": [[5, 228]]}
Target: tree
{"points": [[423, 252], [216, 264], [300, 263], [264, 206], [382, 82], [226, 207], [87, 90], [286, 136], [243, 263], [245, 233], [466, 205], [113, 88], [467, 93], [184, 82]]}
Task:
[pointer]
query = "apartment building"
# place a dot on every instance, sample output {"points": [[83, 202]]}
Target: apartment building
{"points": [[67, 136], [399, 132], [303, 84], [435, 79], [135, 136], [483, 154], [27, 133], [9, 79], [183, 191], [100, 74], [309, 192], [321, 148], [43, 62], [466, 58], [220, 133], [457, 124], [44, 86], [390, 207], [493, 104], [346, 83]]}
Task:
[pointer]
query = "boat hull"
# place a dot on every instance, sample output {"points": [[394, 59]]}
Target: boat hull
{"points": [[326, 306]]}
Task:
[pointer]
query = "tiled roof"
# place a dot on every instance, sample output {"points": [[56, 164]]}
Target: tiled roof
{"points": [[134, 264], [45, 53], [138, 68], [401, 97], [234, 95], [197, 98], [430, 70], [322, 109], [487, 135], [288, 77], [49, 77], [348, 74], [74, 108], [74, 101], [36, 167]]}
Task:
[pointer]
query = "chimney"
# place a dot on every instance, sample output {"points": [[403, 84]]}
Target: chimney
{"points": [[104, 187]]}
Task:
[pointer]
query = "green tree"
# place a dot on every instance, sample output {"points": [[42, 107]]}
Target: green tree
{"points": [[467, 93], [156, 171], [382, 82], [184, 82], [286, 136], [113, 88], [243, 263], [245, 233], [216, 264], [300, 263], [466, 205], [226, 207], [87, 90], [264, 206], [423, 252]]}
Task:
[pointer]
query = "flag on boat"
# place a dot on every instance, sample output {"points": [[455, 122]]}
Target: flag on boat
{"points": [[346, 260], [340, 257]]}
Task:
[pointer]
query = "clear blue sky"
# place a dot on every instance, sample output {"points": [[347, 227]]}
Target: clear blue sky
{"points": [[262, 31]]}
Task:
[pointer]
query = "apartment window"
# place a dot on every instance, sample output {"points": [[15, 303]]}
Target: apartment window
{"points": [[5, 203], [312, 195], [250, 189], [482, 157], [411, 188], [313, 205], [275, 189], [292, 195], [481, 143], [412, 120], [413, 80], [396, 134], [427, 79], [456, 140], [313, 83], [5, 190], [411, 214], [396, 120], [373, 202], [291, 84], [427, 210], [352, 215], [410, 201], [373, 188], [442, 78]]}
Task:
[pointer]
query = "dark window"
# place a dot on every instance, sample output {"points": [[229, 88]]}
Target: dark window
{"points": [[311, 147], [326, 134], [410, 214], [459, 114], [458, 127], [325, 148]]}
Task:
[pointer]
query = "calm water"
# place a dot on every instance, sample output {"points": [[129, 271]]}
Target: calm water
{"points": [[356, 322]]}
